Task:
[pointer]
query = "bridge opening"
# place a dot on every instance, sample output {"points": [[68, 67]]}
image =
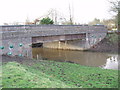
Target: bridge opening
{"points": [[35, 45]]}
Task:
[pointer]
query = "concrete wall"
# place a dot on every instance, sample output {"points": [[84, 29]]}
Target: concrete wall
{"points": [[79, 44], [43, 39], [25, 50]]}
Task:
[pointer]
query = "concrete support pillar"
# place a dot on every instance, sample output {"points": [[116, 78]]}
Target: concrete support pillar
{"points": [[87, 41], [59, 44], [86, 36], [65, 43]]}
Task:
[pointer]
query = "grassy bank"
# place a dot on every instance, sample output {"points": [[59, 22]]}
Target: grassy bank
{"points": [[113, 38], [50, 74]]}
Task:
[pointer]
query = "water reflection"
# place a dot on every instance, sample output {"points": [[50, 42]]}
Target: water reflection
{"points": [[111, 63], [94, 59]]}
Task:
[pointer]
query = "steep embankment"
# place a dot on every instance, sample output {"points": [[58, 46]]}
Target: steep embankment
{"points": [[109, 44], [51, 74]]}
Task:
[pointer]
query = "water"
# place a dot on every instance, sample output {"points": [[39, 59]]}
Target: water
{"points": [[94, 59]]}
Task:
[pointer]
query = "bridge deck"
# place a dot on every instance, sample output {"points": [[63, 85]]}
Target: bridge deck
{"points": [[48, 30]]}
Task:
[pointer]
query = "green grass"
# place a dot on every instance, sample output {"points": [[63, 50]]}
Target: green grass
{"points": [[113, 38], [50, 74]]}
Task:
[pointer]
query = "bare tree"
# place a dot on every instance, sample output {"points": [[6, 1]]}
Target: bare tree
{"points": [[116, 8], [55, 15], [95, 21], [71, 15]]}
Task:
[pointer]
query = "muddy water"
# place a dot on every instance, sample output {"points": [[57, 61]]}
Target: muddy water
{"points": [[94, 59]]}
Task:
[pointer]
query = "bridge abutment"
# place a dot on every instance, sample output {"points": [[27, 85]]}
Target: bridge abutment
{"points": [[77, 44], [70, 45], [17, 46]]}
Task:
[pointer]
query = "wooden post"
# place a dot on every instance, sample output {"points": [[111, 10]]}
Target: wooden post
{"points": [[37, 57]]}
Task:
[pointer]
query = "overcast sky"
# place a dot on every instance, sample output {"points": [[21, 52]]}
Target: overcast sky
{"points": [[83, 10]]}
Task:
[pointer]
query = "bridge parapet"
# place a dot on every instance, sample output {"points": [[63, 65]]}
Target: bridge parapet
{"points": [[48, 30]]}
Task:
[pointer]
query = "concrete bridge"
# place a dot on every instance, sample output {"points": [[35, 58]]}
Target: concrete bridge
{"points": [[17, 39]]}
